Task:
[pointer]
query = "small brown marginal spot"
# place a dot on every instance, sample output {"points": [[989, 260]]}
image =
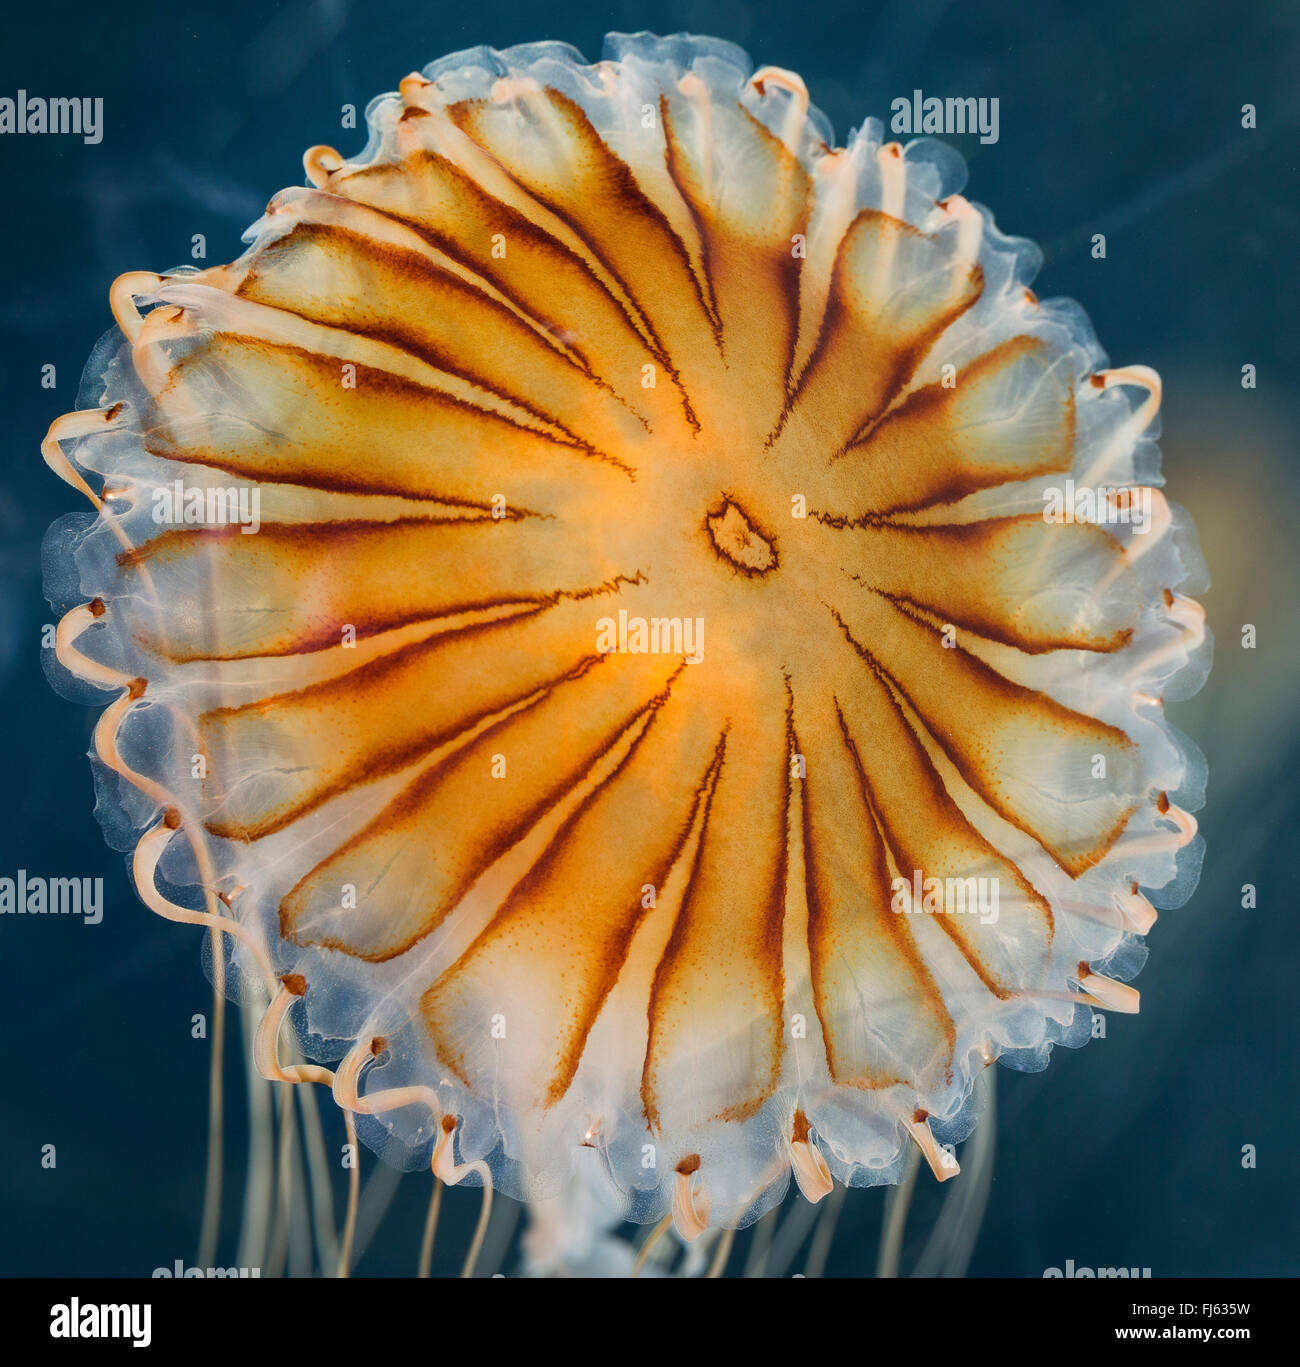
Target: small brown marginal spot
{"points": [[378, 1045], [1030, 297], [172, 818], [96, 607], [135, 689], [1169, 598], [920, 1116], [1162, 803], [1097, 382], [689, 1165], [294, 984], [738, 541], [801, 1129], [111, 413], [1083, 970], [448, 1123]]}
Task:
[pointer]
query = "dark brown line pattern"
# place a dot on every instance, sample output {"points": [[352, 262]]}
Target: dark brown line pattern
{"points": [[384, 577], [649, 1099], [821, 890], [505, 219], [623, 200], [673, 165], [852, 352], [395, 737], [408, 818], [362, 313], [372, 385], [718, 550], [753, 272], [929, 572], [1018, 698], [535, 900]]}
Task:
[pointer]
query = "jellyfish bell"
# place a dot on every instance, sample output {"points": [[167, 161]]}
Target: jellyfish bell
{"points": [[871, 783]]}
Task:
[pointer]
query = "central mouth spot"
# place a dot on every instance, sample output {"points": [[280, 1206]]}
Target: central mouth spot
{"points": [[736, 539]]}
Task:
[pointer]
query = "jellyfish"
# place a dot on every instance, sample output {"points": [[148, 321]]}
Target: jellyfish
{"points": [[637, 632]]}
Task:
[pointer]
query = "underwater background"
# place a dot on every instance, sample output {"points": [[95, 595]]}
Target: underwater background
{"points": [[1115, 118]]}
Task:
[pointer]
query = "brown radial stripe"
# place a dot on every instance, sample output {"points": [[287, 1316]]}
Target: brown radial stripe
{"points": [[552, 953], [306, 746], [539, 275], [719, 989], [417, 859], [333, 275], [627, 233], [673, 165], [941, 444], [291, 588], [864, 355], [319, 209], [974, 713], [927, 835], [752, 271], [434, 445], [883, 1018], [986, 577]]}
